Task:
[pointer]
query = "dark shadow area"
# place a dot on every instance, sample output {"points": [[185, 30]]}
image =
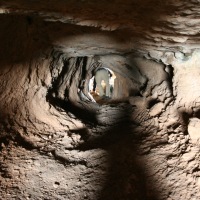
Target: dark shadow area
{"points": [[21, 40], [170, 71], [126, 177], [152, 102], [197, 114], [184, 120], [79, 112], [4, 140]]}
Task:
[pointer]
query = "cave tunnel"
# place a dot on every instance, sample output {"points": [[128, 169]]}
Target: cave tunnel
{"points": [[99, 100]]}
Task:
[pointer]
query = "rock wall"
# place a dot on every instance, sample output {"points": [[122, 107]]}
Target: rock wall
{"points": [[56, 143]]}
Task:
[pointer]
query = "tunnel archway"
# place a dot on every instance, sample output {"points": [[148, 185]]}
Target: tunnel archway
{"points": [[94, 90]]}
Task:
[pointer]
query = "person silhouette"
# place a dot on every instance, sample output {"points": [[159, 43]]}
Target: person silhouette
{"points": [[103, 74]]}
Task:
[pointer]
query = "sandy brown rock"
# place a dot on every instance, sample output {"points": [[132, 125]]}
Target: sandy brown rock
{"points": [[57, 143]]}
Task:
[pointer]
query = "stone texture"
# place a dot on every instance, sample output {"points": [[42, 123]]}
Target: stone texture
{"points": [[55, 143], [156, 109], [193, 129]]}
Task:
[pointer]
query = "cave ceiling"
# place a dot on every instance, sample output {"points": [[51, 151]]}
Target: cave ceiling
{"points": [[150, 27]]}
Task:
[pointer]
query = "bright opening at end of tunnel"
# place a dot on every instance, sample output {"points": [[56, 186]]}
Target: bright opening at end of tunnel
{"points": [[101, 85]]}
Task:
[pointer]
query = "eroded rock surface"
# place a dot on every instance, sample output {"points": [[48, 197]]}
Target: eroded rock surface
{"points": [[57, 142]]}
